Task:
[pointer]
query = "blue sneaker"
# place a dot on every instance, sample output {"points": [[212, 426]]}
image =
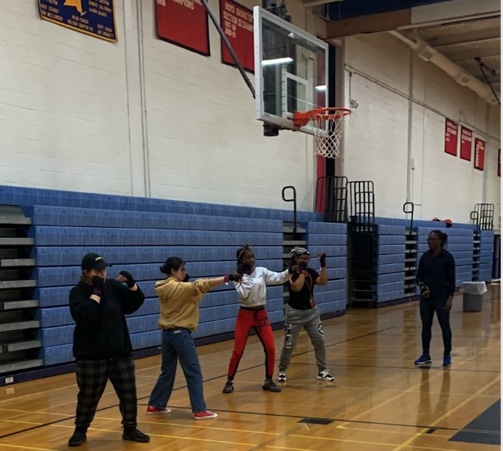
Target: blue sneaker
{"points": [[447, 360], [423, 360]]}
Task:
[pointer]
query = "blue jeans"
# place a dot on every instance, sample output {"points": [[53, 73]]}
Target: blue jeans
{"points": [[177, 344], [428, 307]]}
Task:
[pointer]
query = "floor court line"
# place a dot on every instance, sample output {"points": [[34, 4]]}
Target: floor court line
{"points": [[445, 415]]}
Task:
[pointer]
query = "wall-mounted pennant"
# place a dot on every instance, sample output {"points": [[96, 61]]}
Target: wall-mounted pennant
{"points": [[237, 23], [451, 137], [466, 144], [480, 150], [93, 17], [184, 23]]}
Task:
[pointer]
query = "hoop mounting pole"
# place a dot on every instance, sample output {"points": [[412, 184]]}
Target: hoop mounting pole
{"points": [[229, 47]]}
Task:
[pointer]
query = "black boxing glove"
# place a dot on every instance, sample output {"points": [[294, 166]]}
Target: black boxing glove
{"points": [[323, 260], [233, 277], [98, 285], [130, 282], [294, 269], [186, 278], [244, 268]]}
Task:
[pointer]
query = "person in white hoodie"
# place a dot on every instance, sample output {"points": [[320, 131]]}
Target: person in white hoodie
{"points": [[252, 314], [179, 317]]}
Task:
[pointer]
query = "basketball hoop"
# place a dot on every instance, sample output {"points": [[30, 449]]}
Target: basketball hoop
{"points": [[328, 125]]}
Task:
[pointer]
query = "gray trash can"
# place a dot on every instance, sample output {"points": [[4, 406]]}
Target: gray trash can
{"points": [[473, 293]]}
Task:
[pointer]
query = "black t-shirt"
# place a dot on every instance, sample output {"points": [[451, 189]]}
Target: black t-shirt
{"points": [[302, 299]]}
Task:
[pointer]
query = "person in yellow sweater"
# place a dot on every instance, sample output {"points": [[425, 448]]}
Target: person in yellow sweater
{"points": [[179, 317]]}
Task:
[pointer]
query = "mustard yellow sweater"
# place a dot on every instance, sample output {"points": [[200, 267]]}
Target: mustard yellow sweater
{"points": [[179, 302]]}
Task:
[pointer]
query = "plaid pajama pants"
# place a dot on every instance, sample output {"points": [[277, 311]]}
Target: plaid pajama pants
{"points": [[92, 377]]}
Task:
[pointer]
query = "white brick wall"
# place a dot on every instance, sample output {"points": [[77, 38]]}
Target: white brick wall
{"points": [[63, 108], [377, 135], [71, 113], [204, 141], [75, 115]]}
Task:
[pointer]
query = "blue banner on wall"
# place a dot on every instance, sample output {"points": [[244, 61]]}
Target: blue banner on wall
{"points": [[93, 17]]}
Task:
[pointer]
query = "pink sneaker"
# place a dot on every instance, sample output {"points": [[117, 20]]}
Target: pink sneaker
{"points": [[206, 415], [153, 410]]}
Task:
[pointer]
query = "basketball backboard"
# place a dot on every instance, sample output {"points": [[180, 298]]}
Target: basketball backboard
{"points": [[290, 70]]}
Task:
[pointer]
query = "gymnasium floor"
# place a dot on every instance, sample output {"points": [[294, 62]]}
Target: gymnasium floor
{"points": [[379, 400]]}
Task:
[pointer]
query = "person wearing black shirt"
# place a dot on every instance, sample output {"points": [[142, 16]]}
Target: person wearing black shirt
{"points": [[301, 312], [436, 277], [101, 345]]}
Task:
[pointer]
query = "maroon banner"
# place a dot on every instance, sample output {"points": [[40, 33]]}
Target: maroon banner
{"points": [[480, 150], [451, 137], [184, 23], [237, 23], [466, 144]]}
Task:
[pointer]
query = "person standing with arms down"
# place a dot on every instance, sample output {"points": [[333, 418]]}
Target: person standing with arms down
{"points": [[301, 311], [179, 317], [252, 314], [101, 345], [436, 277]]}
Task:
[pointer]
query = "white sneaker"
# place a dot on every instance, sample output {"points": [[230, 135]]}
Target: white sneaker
{"points": [[281, 376], [324, 375]]}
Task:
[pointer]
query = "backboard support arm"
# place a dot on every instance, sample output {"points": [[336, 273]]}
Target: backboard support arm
{"points": [[229, 48]]}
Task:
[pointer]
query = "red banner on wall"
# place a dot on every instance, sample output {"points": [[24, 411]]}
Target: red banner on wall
{"points": [[466, 144], [185, 23], [237, 23], [480, 150], [451, 137]]}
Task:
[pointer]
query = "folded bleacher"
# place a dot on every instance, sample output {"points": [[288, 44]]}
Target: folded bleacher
{"points": [[138, 235], [330, 238]]}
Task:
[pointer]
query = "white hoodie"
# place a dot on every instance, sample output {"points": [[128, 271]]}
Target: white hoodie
{"points": [[252, 288]]}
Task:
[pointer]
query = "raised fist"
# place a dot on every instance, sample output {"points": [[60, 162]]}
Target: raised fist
{"points": [[98, 285], [244, 268], [323, 257], [292, 269], [236, 277], [128, 278]]}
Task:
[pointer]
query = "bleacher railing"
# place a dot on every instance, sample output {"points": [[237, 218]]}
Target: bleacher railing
{"points": [[331, 198], [482, 216]]}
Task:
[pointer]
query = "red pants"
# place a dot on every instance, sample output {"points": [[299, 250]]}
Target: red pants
{"points": [[258, 320]]}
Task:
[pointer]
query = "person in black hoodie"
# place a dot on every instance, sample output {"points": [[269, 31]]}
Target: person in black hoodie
{"points": [[101, 345]]}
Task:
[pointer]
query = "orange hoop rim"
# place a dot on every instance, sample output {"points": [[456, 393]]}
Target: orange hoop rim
{"points": [[301, 118]]}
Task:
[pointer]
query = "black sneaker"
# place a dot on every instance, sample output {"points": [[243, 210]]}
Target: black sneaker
{"points": [[77, 438], [269, 385], [135, 435], [229, 387]]}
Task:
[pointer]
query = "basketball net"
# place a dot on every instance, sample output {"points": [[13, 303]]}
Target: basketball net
{"points": [[328, 125]]}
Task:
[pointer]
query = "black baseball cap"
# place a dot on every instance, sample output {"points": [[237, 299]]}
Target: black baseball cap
{"points": [[93, 261]]}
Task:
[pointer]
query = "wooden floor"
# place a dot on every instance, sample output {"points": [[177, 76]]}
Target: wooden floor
{"points": [[379, 400]]}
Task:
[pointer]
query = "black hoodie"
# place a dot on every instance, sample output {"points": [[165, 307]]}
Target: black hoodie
{"points": [[101, 330]]}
